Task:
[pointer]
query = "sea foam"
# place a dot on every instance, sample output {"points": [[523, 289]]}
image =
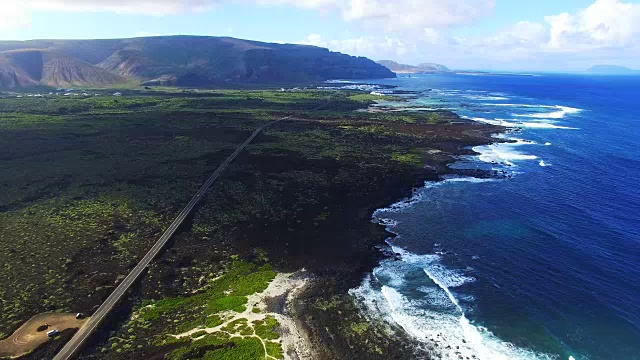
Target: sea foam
{"points": [[438, 319], [418, 195], [485, 97], [559, 114], [515, 123], [503, 153], [544, 125]]}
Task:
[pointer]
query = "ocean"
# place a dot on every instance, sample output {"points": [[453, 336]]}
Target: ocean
{"points": [[544, 264]]}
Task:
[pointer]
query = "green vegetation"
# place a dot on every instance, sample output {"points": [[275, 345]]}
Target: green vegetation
{"points": [[359, 327], [265, 329], [88, 185], [274, 350], [239, 336], [313, 144], [37, 245], [213, 321], [19, 120], [369, 337], [227, 293], [221, 347], [410, 156], [368, 98], [198, 334], [407, 158]]}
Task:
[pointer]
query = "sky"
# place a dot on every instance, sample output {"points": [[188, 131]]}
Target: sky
{"points": [[513, 35]]}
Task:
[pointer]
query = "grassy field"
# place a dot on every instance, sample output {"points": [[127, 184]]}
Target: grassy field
{"points": [[88, 184]]}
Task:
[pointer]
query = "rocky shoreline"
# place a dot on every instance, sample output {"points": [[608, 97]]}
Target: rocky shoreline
{"points": [[327, 312], [300, 197]]}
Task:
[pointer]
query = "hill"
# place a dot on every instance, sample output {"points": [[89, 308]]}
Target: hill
{"points": [[32, 67], [399, 68], [423, 68], [174, 60], [431, 67], [611, 70]]}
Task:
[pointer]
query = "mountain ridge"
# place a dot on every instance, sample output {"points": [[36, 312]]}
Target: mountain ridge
{"points": [[423, 68], [178, 60], [611, 70]]}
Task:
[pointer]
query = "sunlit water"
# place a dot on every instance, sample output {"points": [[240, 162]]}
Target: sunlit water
{"points": [[543, 265]]}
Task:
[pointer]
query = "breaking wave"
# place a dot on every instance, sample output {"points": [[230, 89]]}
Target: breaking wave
{"points": [[419, 292], [438, 319], [515, 123], [559, 114]]}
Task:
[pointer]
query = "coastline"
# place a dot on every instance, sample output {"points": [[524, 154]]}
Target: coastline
{"points": [[422, 290], [513, 253], [335, 291], [300, 197]]}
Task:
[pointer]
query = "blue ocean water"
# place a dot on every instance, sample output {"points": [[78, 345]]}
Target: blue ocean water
{"points": [[544, 265]]}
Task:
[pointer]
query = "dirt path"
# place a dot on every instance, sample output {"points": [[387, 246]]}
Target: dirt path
{"points": [[27, 338], [292, 338]]}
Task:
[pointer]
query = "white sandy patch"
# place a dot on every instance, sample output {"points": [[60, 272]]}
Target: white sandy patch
{"points": [[292, 338]]}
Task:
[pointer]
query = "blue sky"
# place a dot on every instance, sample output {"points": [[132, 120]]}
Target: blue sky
{"points": [[547, 35]]}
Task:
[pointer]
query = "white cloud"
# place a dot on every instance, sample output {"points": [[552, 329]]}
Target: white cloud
{"points": [[431, 35], [400, 14], [605, 32], [603, 26], [522, 34], [17, 13], [390, 14], [13, 15], [363, 46], [148, 7], [606, 23]]}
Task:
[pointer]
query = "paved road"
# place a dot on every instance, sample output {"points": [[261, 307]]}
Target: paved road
{"points": [[73, 346]]}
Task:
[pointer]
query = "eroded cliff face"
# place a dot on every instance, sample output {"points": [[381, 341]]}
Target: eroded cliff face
{"points": [[175, 60]]}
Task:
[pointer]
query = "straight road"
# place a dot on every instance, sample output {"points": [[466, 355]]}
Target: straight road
{"points": [[73, 346]]}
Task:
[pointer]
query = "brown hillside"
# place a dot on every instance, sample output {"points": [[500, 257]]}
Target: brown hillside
{"points": [[60, 70], [129, 63], [12, 77], [179, 60], [31, 67]]}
